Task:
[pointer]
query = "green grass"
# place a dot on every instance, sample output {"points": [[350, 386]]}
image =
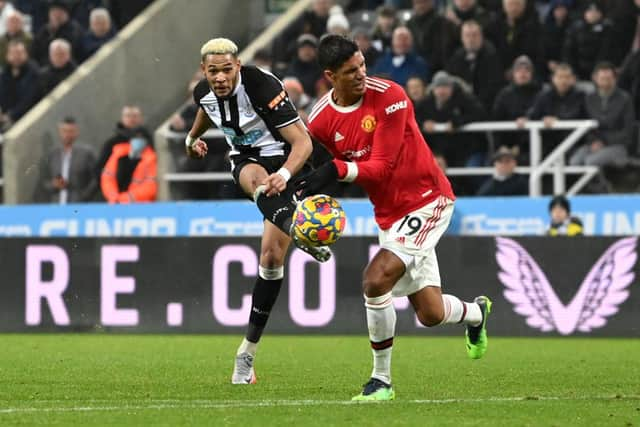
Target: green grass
{"points": [[184, 380]]}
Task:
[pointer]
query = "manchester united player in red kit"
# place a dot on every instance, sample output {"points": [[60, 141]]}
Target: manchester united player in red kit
{"points": [[368, 125]]}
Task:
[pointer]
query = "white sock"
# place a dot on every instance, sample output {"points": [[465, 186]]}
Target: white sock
{"points": [[247, 347], [381, 320], [456, 311]]}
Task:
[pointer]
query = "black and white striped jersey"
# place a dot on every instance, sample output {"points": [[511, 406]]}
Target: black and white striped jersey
{"points": [[251, 116]]}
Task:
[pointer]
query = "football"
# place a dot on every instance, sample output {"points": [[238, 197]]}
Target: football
{"points": [[319, 220]]}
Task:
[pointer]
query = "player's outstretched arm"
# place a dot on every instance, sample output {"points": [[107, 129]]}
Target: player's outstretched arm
{"points": [[196, 147], [301, 147]]}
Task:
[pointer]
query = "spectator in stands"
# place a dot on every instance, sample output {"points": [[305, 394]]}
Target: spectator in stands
{"points": [[298, 97], [99, 33], [612, 108], [514, 32], [505, 181], [513, 101], [18, 84], [80, 10], [123, 11], [131, 119], [556, 25], [363, 38], [183, 120], [59, 68], [562, 101], [59, 26], [461, 11], [416, 89], [477, 63], [448, 103], [626, 28], [130, 174], [262, 58], [305, 66], [401, 62], [588, 41], [630, 79], [6, 8], [337, 22], [34, 12], [435, 37], [15, 31], [562, 223], [67, 174], [386, 22], [312, 22]]}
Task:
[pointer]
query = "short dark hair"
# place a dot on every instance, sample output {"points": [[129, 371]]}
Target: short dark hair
{"points": [[561, 201], [563, 66], [334, 50], [604, 66], [68, 120]]}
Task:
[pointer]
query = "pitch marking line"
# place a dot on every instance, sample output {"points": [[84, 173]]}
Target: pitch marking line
{"points": [[212, 404]]}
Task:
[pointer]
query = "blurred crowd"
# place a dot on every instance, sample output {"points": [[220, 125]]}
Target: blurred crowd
{"points": [[464, 61], [460, 61]]}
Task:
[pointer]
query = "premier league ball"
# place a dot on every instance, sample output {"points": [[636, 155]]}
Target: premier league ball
{"points": [[319, 220]]}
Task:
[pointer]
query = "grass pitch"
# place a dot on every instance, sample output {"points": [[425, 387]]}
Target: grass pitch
{"points": [[184, 380]]}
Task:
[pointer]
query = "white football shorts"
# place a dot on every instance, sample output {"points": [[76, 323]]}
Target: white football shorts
{"points": [[413, 239]]}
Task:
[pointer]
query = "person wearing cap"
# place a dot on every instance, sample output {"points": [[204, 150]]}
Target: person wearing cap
{"points": [[562, 223], [505, 181], [448, 102], [305, 65], [477, 63], [401, 62], [514, 100], [67, 171], [338, 23], [589, 41], [59, 26]]}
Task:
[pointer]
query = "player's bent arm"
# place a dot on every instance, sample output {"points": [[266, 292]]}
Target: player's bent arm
{"points": [[301, 146], [200, 125]]}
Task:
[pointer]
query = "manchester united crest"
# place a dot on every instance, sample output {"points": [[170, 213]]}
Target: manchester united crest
{"points": [[368, 123]]}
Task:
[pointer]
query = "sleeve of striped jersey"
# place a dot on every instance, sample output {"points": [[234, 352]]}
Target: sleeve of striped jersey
{"points": [[268, 94], [200, 91], [392, 118]]}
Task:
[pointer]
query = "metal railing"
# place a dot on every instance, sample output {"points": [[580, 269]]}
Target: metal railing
{"points": [[554, 163]]}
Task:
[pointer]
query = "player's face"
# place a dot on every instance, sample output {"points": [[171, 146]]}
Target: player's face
{"points": [[558, 214], [349, 79], [221, 72]]}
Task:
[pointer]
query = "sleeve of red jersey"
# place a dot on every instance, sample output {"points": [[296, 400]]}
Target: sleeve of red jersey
{"points": [[391, 115]]}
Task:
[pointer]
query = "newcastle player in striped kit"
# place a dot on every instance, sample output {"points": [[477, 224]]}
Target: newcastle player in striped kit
{"points": [[268, 146]]}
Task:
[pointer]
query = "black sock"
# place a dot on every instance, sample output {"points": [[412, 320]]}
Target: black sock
{"points": [[265, 293], [277, 209]]}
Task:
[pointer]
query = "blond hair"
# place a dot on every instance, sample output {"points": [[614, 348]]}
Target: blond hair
{"points": [[219, 46]]}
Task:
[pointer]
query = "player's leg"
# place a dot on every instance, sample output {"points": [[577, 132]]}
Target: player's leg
{"points": [[384, 270], [433, 309], [267, 287], [277, 209]]}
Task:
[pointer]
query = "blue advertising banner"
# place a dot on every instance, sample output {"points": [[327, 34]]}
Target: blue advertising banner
{"points": [[517, 216]]}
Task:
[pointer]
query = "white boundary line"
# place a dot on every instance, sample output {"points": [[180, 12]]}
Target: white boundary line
{"points": [[223, 404]]}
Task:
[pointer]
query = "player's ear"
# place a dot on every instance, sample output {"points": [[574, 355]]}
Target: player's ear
{"points": [[329, 75]]}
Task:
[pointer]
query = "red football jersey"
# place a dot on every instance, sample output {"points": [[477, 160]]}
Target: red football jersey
{"points": [[380, 135]]}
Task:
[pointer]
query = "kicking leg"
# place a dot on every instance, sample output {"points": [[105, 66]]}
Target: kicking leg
{"points": [[433, 308], [384, 270]]}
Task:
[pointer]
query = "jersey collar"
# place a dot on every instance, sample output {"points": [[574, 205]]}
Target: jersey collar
{"points": [[348, 108]]}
